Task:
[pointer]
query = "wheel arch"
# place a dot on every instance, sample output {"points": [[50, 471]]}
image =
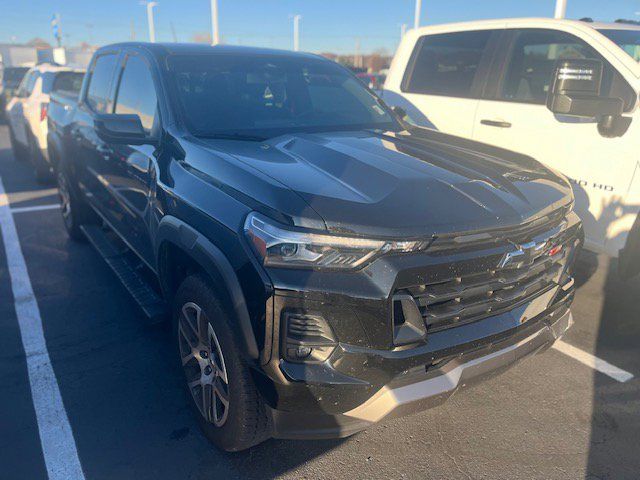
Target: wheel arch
{"points": [[177, 241]]}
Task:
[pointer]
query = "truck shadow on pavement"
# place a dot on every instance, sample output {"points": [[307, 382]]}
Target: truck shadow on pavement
{"points": [[614, 451]]}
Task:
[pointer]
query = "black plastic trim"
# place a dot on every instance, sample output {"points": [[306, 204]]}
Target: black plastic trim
{"points": [[213, 261]]}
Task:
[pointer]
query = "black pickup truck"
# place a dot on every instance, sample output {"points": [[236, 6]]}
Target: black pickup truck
{"points": [[325, 265]]}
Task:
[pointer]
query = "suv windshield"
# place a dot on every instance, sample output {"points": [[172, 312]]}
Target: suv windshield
{"points": [[268, 95], [628, 40]]}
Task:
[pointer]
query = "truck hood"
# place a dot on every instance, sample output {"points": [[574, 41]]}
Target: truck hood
{"points": [[404, 185]]}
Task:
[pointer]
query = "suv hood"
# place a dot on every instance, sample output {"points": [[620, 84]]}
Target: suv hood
{"points": [[405, 184]]}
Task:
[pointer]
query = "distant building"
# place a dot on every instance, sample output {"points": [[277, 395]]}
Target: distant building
{"points": [[12, 55], [18, 55], [372, 63]]}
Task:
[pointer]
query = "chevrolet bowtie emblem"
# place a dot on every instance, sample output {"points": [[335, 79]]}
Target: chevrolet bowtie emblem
{"points": [[523, 256]]}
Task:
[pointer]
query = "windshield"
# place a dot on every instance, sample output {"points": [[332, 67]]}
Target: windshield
{"points": [[270, 95], [628, 40], [13, 76]]}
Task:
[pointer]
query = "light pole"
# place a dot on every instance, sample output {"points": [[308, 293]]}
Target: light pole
{"points": [[152, 28], [561, 9], [215, 33], [416, 18], [296, 32]]}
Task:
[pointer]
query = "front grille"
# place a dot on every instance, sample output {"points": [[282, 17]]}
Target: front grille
{"points": [[517, 234], [470, 297]]}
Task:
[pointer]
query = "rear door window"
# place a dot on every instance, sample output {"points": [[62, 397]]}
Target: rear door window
{"points": [[447, 64], [98, 93]]}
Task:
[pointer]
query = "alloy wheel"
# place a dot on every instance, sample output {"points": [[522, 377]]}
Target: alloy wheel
{"points": [[203, 364]]}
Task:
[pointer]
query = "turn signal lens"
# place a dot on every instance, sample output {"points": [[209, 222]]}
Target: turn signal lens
{"points": [[44, 108], [555, 250]]}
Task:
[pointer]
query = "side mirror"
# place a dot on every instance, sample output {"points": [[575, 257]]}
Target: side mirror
{"points": [[576, 91], [124, 129]]}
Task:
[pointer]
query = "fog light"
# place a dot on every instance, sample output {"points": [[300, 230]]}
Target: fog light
{"points": [[307, 338], [301, 352]]}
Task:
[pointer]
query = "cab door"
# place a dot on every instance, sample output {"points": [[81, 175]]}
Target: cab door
{"points": [[132, 168], [514, 116], [92, 153], [444, 79]]}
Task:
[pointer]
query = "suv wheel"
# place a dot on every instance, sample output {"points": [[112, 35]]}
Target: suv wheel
{"points": [[75, 212], [220, 388]]}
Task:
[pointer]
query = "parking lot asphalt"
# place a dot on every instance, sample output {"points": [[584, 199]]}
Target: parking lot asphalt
{"points": [[549, 417]]}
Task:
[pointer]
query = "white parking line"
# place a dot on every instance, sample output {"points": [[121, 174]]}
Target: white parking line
{"points": [[35, 208], [592, 361], [58, 445]]}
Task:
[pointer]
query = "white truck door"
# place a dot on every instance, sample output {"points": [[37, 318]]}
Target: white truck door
{"points": [[442, 80], [601, 169]]}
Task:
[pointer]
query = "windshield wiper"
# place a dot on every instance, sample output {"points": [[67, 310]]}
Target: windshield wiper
{"points": [[232, 136]]}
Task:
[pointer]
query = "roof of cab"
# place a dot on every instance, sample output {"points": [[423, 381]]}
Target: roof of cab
{"points": [[531, 22], [165, 49]]}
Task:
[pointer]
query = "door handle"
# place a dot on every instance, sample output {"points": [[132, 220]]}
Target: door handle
{"points": [[496, 123]]}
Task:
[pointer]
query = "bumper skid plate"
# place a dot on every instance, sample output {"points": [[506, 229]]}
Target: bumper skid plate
{"points": [[394, 401]]}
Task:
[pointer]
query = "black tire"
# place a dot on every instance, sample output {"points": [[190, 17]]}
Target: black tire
{"points": [[75, 212], [246, 423], [19, 152], [44, 175]]}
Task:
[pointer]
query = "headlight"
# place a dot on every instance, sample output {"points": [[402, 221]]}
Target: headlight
{"points": [[278, 246]]}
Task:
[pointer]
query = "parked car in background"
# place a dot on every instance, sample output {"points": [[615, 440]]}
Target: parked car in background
{"points": [[11, 78], [374, 81], [326, 266], [27, 113], [492, 81]]}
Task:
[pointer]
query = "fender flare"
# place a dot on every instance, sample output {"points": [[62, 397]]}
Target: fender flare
{"points": [[215, 263]]}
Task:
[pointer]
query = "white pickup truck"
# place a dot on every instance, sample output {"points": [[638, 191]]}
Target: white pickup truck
{"points": [[494, 81]]}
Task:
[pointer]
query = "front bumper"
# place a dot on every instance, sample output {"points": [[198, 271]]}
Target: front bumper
{"points": [[426, 386]]}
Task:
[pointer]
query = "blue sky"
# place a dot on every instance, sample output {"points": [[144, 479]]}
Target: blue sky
{"points": [[327, 25]]}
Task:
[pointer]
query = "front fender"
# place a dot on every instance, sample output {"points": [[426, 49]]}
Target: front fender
{"points": [[213, 261]]}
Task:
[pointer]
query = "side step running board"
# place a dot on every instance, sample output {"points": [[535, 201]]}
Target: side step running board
{"points": [[149, 301]]}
